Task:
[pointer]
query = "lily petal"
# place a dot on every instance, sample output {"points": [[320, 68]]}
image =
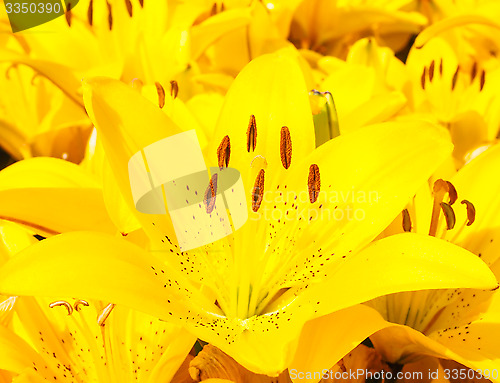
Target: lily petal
{"points": [[15, 354], [52, 196], [206, 33], [122, 114], [60, 75], [332, 337]]}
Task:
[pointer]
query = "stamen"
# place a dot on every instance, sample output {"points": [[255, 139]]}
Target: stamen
{"points": [[314, 183], [258, 191], [128, 4], [482, 81], [431, 71], [174, 89], [452, 192], [440, 189], [110, 16], [473, 71], [455, 78], [286, 147], [441, 68], [406, 221], [62, 303], [213, 11], [471, 212], [68, 14], [422, 79], [222, 7], [141, 2], [449, 215], [7, 71], [210, 194], [224, 152], [161, 95], [251, 134], [90, 12], [105, 314], [80, 302]]}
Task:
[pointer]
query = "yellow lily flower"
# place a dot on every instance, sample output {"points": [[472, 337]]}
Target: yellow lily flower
{"points": [[386, 21], [37, 119], [377, 77], [55, 340], [236, 48], [460, 96], [152, 43], [458, 324], [454, 69], [66, 343], [249, 294]]}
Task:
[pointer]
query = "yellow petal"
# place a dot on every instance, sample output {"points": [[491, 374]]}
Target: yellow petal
{"points": [[452, 22], [15, 354], [475, 344], [52, 196], [29, 376], [122, 115], [206, 33], [123, 259], [402, 344], [325, 340], [60, 75], [403, 262], [119, 212], [13, 238], [43, 172]]}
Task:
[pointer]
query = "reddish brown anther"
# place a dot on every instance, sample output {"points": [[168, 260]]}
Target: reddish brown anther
{"points": [[161, 95], [258, 191], [68, 14], [128, 4], [482, 80], [210, 194], [285, 147], [314, 183], [422, 78], [452, 192], [406, 221], [110, 17], [174, 89], [455, 78], [224, 152], [90, 12], [471, 212], [431, 70], [251, 134]]}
